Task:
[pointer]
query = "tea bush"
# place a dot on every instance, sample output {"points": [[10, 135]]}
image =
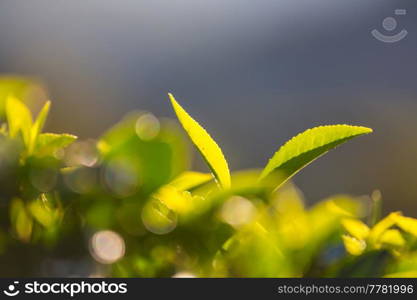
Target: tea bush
{"points": [[128, 205]]}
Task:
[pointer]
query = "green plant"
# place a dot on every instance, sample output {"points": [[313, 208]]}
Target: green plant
{"points": [[129, 205]]}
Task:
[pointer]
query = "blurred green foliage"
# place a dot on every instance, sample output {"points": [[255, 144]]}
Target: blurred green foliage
{"points": [[128, 205]]}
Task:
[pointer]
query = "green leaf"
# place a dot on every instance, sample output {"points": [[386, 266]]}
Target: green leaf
{"points": [[38, 126], [154, 162], [49, 143], [306, 147], [189, 180], [369, 264], [19, 118], [21, 220], [208, 148], [43, 212]]}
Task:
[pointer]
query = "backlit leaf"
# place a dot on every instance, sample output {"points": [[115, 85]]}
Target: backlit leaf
{"points": [[353, 246], [356, 228], [21, 220], [189, 180], [208, 148], [405, 274], [19, 118], [392, 237], [38, 126], [407, 224], [23, 88], [382, 226], [304, 148], [49, 143]]}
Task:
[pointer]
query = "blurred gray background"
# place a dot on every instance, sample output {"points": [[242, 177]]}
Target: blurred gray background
{"points": [[254, 73]]}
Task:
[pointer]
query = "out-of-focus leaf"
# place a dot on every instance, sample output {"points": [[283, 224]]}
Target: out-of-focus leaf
{"points": [[101, 214], [19, 118], [381, 227], [369, 264], [407, 224], [356, 228], [325, 218], [405, 274], [175, 199], [43, 212], [38, 126], [353, 245], [25, 89], [256, 241], [21, 220], [49, 143], [205, 144], [176, 196], [340, 206], [404, 266], [158, 218], [189, 180], [392, 237], [155, 162], [304, 148]]}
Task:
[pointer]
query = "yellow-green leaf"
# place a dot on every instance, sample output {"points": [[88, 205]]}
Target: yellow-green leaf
{"points": [[356, 228], [404, 274], [21, 220], [407, 224], [175, 199], [38, 126], [392, 237], [353, 246], [307, 146], [22, 88], [382, 226], [44, 213], [208, 148], [189, 180], [19, 118], [49, 143]]}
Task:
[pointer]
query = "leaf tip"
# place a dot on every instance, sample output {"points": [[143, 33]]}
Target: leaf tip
{"points": [[171, 98], [369, 130], [47, 105], [364, 130]]}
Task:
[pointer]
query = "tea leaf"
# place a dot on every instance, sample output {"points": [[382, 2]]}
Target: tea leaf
{"points": [[407, 224], [378, 230], [38, 126], [306, 147], [189, 180], [42, 212], [208, 148], [19, 118], [392, 237], [20, 87], [49, 143], [404, 274], [356, 228], [353, 246], [21, 220], [153, 162]]}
